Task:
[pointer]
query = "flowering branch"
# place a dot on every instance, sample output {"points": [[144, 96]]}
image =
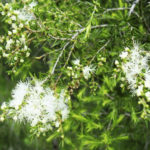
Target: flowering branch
{"points": [[73, 38]]}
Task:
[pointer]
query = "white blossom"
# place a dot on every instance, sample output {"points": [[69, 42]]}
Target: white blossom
{"points": [[76, 62], [147, 79], [137, 72], [2, 118], [23, 39], [21, 25], [14, 26], [136, 63], [37, 105], [13, 18], [124, 55], [116, 62], [18, 94], [87, 70], [139, 90], [126, 49], [33, 4], [9, 43], [3, 106], [9, 33], [147, 94], [21, 60], [26, 13], [5, 55], [27, 54], [14, 31]]}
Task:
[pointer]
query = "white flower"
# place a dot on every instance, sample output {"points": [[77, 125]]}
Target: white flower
{"points": [[21, 25], [15, 118], [5, 55], [3, 13], [21, 60], [76, 62], [147, 94], [147, 79], [15, 58], [33, 4], [3, 105], [25, 47], [9, 43], [57, 124], [124, 55], [13, 18], [116, 62], [23, 39], [87, 70], [2, 118], [26, 14], [14, 26], [27, 54], [37, 105], [14, 31], [127, 49], [139, 90], [9, 33], [134, 66], [18, 94], [16, 12]]}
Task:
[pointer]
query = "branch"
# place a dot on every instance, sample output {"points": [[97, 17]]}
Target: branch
{"points": [[114, 9], [58, 38], [99, 50], [133, 6], [65, 63], [73, 37]]}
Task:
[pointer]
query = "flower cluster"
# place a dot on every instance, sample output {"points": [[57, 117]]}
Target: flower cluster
{"points": [[134, 64], [26, 13], [14, 42], [37, 105], [77, 68], [77, 72]]}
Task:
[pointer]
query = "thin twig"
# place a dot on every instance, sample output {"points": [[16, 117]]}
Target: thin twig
{"points": [[69, 55], [115, 9], [133, 6], [73, 37], [99, 51], [94, 27], [58, 38]]}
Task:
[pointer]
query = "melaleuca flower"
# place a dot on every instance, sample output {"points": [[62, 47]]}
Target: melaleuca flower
{"points": [[87, 71], [32, 5], [14, 45], [147, 79], [139, 90], [37, 105], [124, 55], [26, 13], [76, 62], [135, 65], [147, 94]]}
